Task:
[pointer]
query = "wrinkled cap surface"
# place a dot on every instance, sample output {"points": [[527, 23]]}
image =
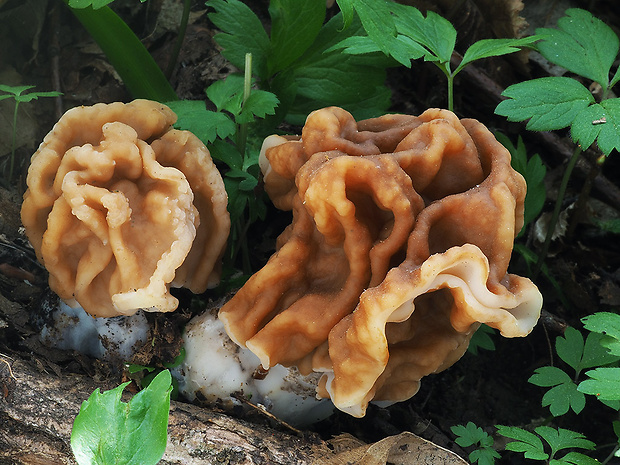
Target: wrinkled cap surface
{"points": [[120, 207], [399, 246]]}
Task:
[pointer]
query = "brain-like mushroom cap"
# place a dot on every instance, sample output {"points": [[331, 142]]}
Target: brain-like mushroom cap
{"points": [[120, 207], [402, 232]]}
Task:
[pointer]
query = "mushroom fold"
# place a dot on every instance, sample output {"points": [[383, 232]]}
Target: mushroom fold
{"points": [[120, 207], [402, 232]]}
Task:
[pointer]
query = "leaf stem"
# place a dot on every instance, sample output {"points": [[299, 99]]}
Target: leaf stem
{"points": [[556, 210], [242, 134]]}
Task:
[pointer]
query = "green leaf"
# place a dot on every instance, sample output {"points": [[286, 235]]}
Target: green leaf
{"points": [[259, 104], [600, 122], [108, 430], [227, 94], [582, 44], [330, 78], [205, 124], [227, 153], [608, 324], [575, 458], [15, 90], [294, 26], [595, 353], [549, 103], [482, 339], [242, 32], [484, 456], [347, 9], [604, 383], [527, 443], [534, 172], [377, 22], [469, 435], [570, 347], [563, 395], [434, 32], [486, 48], [562, 438]]}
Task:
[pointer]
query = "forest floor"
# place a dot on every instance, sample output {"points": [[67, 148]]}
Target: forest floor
{"points": [[489, 388]]}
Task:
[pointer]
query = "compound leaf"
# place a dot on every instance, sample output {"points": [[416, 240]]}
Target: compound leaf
{"points": [[563, 393], [549, 103], [600, 122], [582, 44], [562, 438], [526, 442]]}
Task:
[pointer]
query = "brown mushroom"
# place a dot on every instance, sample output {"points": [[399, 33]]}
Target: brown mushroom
{"points": [[120, 207], [402, 232]]}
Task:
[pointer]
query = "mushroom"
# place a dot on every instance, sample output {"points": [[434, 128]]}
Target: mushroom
{"points": [[120, 207], [402, 232]]}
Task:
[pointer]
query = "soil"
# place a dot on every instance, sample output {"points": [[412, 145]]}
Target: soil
{"points": [[53, 52]]}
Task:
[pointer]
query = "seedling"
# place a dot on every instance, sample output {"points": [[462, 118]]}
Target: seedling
{"points": [[17, 93], [472, 435], [579, 355], [110, 431], [405, 34], [532, 447]]}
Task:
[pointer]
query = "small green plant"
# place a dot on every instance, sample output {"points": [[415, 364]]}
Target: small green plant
{"points": [[586, 46], [604, 381], [225, 131], [17, 93], [555, 440], [579, 355], [472, 435], [481, 339], [405, 34], [109, 431], [295, 60]]}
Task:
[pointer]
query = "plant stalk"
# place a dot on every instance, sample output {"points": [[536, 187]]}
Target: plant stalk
{"points": [[13, 142], [556, 211], [242, 134]]}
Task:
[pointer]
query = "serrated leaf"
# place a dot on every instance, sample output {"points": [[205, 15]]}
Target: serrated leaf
{"points": [[549, 103], [562, 438], [582, 44], [604, 383], [595, 353], [205, 124], [227, 94], [259, 104], [570, 347], [563, 395], [242, 32], [574, 458], [600, 122], [434, 32], [331, 78], [468, 435], [379, 25], [485, 456], [347, 9], [527, 443], [108, 430], [486, 48], [294, 26], [608, 324]]}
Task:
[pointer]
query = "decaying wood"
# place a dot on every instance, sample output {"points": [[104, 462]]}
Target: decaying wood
{"points": [[37, 410]]}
